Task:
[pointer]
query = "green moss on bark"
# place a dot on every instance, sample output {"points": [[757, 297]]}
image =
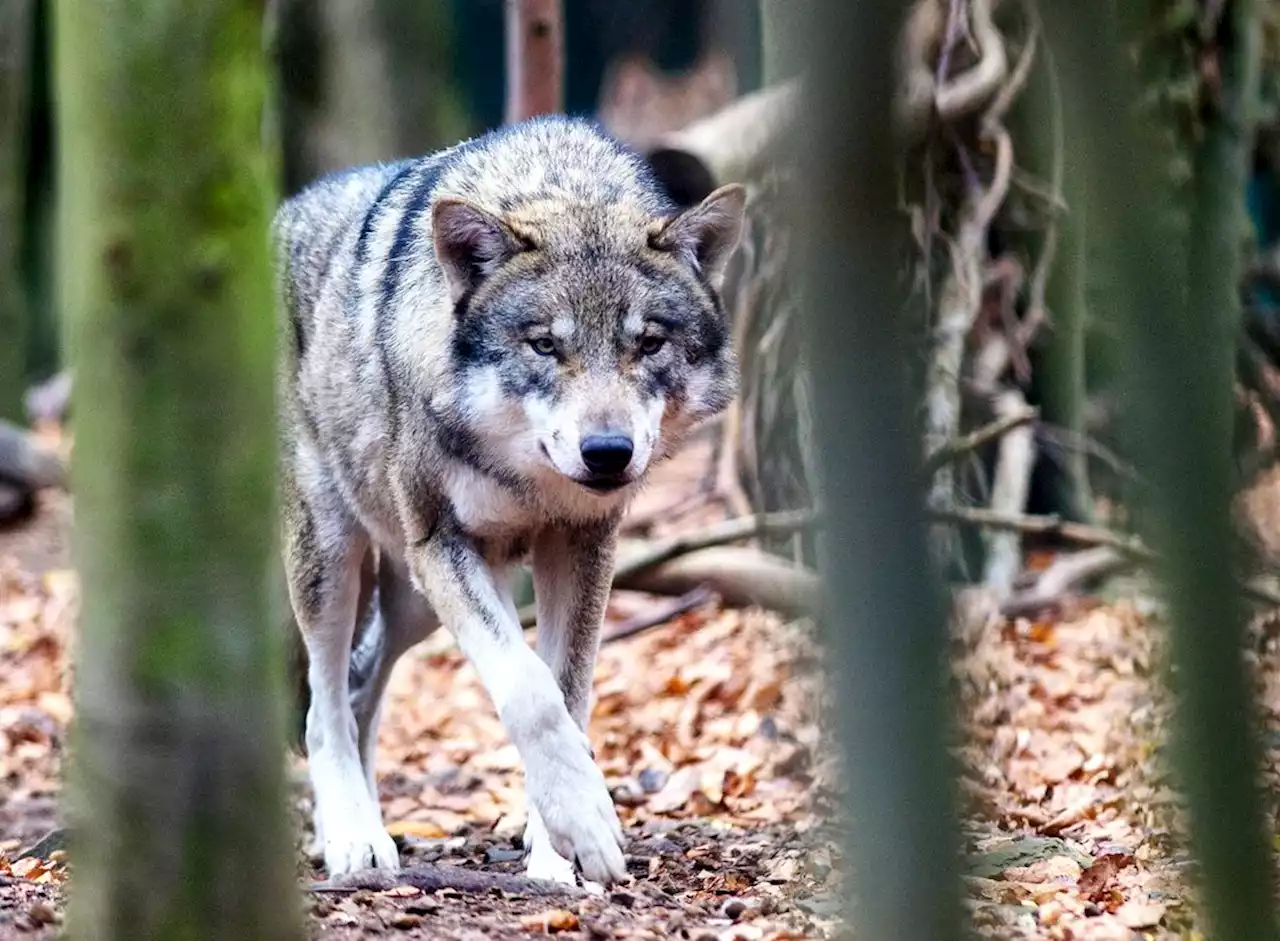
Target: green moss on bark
{"points": [[177, 789]]}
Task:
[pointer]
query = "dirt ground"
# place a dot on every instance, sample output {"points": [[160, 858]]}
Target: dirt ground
{"points": [[708, 730]]}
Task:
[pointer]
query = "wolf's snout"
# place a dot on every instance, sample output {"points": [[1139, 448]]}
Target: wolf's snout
{"points": [[607, 455]]}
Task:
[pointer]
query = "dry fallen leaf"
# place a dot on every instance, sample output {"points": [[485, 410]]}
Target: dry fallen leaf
{"points": [[422, 829], [1095, 880], [550, 922], [1133, 914]]}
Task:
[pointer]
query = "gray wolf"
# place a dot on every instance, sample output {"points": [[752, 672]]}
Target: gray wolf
{"points": [[486, 351]]}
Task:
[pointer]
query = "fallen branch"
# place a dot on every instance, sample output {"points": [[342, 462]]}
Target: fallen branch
{"points": [[739, 577], [659, 615], [432, 878], [24, 464], [651, 555], [1079, 533], [735, 143], [953, 450], [1064, 577], [1045, 525]]}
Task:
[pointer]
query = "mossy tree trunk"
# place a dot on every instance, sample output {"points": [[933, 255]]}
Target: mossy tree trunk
{"points": [[17, 19], [883, 617], [176, 791], [1174, 302]]}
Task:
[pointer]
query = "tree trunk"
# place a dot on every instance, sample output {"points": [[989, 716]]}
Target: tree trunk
{"points": [[430, 111], [17, 18], [1175, 318], [1061, 372], [334, 102], [176, 789], [882, 612], [535, 58]]}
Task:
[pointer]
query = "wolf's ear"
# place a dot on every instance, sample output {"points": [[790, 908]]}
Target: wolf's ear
{"points": [[708, 233], [470, 243]]}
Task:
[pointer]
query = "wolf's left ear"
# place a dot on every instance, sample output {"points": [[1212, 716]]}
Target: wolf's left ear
{"points": [[708, 233], [470, 243]]}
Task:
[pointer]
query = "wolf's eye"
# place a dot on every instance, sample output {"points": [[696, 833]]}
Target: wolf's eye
{"points": [[649, 345], [543, 346]]}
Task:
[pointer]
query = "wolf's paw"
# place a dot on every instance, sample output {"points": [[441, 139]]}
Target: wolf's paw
{"points": [[542, 861], [569, 793], [545, 863], [349, 849]]}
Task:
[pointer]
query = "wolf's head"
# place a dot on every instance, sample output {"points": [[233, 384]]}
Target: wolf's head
{"points": [[589, 337]]}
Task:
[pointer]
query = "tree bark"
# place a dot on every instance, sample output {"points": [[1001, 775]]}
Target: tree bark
{"points": [[176, 795], [334, 101], [17, 20], [882, 610], [535, 58], [1175, 326]]}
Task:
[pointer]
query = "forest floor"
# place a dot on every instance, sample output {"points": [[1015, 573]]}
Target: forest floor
{"points": [[708, 729]]}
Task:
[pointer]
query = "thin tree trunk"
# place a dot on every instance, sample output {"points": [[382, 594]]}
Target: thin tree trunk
{"points": [[1062, 373], [1175, 319], [430, 109], [535, 58], [883, 615], [16, 43], [176, 790], [334, 99]]}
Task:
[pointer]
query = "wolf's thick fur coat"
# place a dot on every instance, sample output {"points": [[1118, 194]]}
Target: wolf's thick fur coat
{"points": [[486, 350]]}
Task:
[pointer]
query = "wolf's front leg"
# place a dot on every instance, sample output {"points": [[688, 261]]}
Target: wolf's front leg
{"points": [[572, 572], [323, 554], [565, 787]]}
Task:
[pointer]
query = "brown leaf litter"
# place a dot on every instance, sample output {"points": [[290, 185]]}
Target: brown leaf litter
{"points": [[707, 729]]}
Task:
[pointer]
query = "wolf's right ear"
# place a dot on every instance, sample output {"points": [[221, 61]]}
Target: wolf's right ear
{"points": [[708, 233], [470, 243]]}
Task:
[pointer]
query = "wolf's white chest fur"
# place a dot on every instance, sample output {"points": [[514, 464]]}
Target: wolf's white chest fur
{"points": [[483, 505]]}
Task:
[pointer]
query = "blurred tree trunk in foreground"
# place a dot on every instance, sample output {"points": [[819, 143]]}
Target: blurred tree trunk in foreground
{"points": [[1176, 317], [17, 19], [176, 791], [884, 621]]}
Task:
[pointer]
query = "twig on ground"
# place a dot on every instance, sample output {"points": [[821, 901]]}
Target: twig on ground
{"points": [[733, 530], [660, 614], [1064, 577], [432, 878]]}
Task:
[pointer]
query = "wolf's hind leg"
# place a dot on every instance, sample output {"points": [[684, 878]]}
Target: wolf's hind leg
{"points": [[324, 550]]}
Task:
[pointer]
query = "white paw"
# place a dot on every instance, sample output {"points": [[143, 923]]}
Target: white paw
{"points": [[570, 795], [350, 849], [543, 861]]}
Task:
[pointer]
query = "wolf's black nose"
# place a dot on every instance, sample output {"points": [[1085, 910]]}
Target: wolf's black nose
{"points": [[606, 455]]}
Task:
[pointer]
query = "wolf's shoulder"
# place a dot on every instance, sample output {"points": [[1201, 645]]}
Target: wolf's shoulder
{"points": [[549, 157]]}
